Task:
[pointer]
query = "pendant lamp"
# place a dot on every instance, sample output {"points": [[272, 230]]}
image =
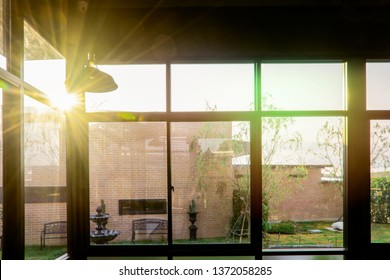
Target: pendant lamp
{"points": [[91, 79]]}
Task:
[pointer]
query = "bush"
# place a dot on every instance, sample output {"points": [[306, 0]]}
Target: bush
{"points": [[380, 200], [286, 227]]}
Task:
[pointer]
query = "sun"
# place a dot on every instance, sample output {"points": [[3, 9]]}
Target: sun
{"points": [[64, 101]]}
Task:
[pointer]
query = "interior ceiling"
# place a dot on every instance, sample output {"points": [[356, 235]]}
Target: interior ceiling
{"points": [[122, 31]]}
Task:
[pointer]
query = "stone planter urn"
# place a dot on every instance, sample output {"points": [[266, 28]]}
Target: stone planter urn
{"points": [[192, 218]]}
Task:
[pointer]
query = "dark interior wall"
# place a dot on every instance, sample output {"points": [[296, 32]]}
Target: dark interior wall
{"points": [[123, 34], [246, 32]]}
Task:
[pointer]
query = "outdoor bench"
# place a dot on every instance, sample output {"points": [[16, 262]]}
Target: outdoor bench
{"points": [[53, 230], [149, 226]]}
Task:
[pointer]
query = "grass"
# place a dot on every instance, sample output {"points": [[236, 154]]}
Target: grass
{"points": [[48, 253], [302, 238], [380, 233]]}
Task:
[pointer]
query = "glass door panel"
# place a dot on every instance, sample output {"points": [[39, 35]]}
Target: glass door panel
{"points": [[302, 182], [128, 183], [44, 151], [45, 181], [380, 181], [211, 179]]}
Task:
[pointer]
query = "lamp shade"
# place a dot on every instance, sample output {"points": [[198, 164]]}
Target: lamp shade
{"points": [[91, 79]]}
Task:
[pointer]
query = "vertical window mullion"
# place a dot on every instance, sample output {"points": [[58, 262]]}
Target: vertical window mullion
{"points": [[13, 169], [169, 161], [256, 187], [256, 168], [357, 215]]}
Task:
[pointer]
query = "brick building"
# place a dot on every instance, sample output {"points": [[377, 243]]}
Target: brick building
{"points": [[128, 165]]}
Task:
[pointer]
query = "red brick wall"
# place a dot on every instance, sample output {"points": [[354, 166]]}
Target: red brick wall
{"points": [[125, 165], [308, 199], [36, 215]]}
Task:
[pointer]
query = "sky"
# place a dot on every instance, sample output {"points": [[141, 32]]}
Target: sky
{"points": [[222, 87]]}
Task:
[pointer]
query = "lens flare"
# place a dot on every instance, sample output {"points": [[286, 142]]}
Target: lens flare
{"points": [[64, 102]]}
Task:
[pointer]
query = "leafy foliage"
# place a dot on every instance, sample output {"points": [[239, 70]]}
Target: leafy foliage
{"points": [[285, 227], [380, 200]]}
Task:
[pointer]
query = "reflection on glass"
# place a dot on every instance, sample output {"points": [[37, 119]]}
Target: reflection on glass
{"points": [[300, 86], [302, 160], [380, 181], [212, 87], [128, 180], [141, 88], [211, 176], [45, 179], [378, 86]]}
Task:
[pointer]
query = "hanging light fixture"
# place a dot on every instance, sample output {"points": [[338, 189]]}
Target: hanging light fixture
{"points": [[91, 79]]}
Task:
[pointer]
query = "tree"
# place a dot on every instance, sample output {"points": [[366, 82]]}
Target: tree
{"points": [[330, 149], [380, 145], [330, 144], [235, 168]]}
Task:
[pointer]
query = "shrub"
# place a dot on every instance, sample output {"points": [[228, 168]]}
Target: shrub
{"points": [[284, 227], [380, 200]]}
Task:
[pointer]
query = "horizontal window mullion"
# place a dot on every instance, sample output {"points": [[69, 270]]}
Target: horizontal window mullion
{"points": [[303, 113], [203, 116]]}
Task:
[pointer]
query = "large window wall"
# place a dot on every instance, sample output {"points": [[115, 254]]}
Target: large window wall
{"points": [[286, 161], [229, 140], [275, 158]]}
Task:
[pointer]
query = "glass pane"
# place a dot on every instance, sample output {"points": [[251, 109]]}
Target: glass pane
{"points": [[44, 152], [302, 161], [300, 86], [3, 60], [141, 88], [128, 182], [212, 87], [45, 182], [380, 181], [44, 67], [211, 177], [378, 86]]}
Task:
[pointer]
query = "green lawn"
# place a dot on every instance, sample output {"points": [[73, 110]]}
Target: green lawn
{"points": [[48, 253], [302, 238], [315, 234], [380, 233], [326, 238]]}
